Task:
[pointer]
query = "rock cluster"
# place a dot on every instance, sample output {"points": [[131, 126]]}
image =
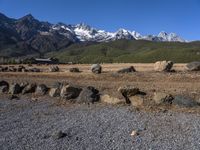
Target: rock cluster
{"points": [[159, 66], [89, 94], [63, 90], [18, 69]]}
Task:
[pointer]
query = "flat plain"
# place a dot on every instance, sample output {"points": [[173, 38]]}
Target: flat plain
{"points": [[28, 124]]}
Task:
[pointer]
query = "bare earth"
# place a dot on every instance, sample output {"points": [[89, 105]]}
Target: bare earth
{"points": [[25, 124]]}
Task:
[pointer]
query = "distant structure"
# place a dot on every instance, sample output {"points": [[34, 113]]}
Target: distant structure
{"points": [[41, 61]]}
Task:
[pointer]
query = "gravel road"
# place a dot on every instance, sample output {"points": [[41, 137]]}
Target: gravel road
{"points": [[26, 125]]}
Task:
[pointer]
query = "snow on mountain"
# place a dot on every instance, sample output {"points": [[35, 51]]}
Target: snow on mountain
{"points": [[171, 37], [83, 32]]}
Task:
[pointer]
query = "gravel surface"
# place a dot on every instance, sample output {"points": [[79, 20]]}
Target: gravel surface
{"points": [[30, 125]]}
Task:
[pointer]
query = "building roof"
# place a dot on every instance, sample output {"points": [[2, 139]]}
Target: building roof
{"points": [[41, 59]]}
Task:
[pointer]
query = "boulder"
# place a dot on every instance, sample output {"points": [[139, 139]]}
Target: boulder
{"points": [[183, 101], [111, 100], [24, 70], [74, 70], [23, 85], [12, 69], [127, 70], [41, 89], [58, 135], [88, 95], [3, 69], [55, 89], [4, 87], [30, 88], [163, 66], [162, 98], [54, 92], [137, 100], [14, 88], [128, 91], [96, 68], [70, 92], [54, 69], [4, 83], [193, 66]]}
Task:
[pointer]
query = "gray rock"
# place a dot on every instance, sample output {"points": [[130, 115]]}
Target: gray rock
{"points": [[137, 100], [128, 91], [163, 66], [54, 69], [3, 69], [162, 98], [15, 88], [88, 95], [58, 135], [4, 83], [30, 88], [24, 70], [111, 100], [127, 70], [4, 87], [74, 70], [70, 92], [41, 89], [55, 89], [23, 85], [12, 69], [184, 101], [193, 66], [96, 68], [54, 92]]}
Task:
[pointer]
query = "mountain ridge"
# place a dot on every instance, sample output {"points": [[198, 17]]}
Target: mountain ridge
{"points": [[29, 37]]}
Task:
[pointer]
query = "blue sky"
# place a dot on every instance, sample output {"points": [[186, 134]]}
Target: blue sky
{"points": [[144, 16]]}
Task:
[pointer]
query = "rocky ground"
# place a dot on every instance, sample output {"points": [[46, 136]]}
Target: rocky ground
{"points": [[41, 122], [33, 125]]}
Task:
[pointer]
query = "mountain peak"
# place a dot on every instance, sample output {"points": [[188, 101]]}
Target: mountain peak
{"points": [[28, 17], [170, 37], [83, 26], [82, 31], [162, 34]]}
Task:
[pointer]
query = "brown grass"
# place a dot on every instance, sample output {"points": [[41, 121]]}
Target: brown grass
{"points": [[148, 81]]}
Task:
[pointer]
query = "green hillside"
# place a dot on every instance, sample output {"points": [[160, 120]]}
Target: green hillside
{"points": [[124, 51]]}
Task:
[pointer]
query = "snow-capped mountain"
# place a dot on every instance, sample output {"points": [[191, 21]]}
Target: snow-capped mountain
{"points": [[83, 32], [44, 35], [170, 37]]}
